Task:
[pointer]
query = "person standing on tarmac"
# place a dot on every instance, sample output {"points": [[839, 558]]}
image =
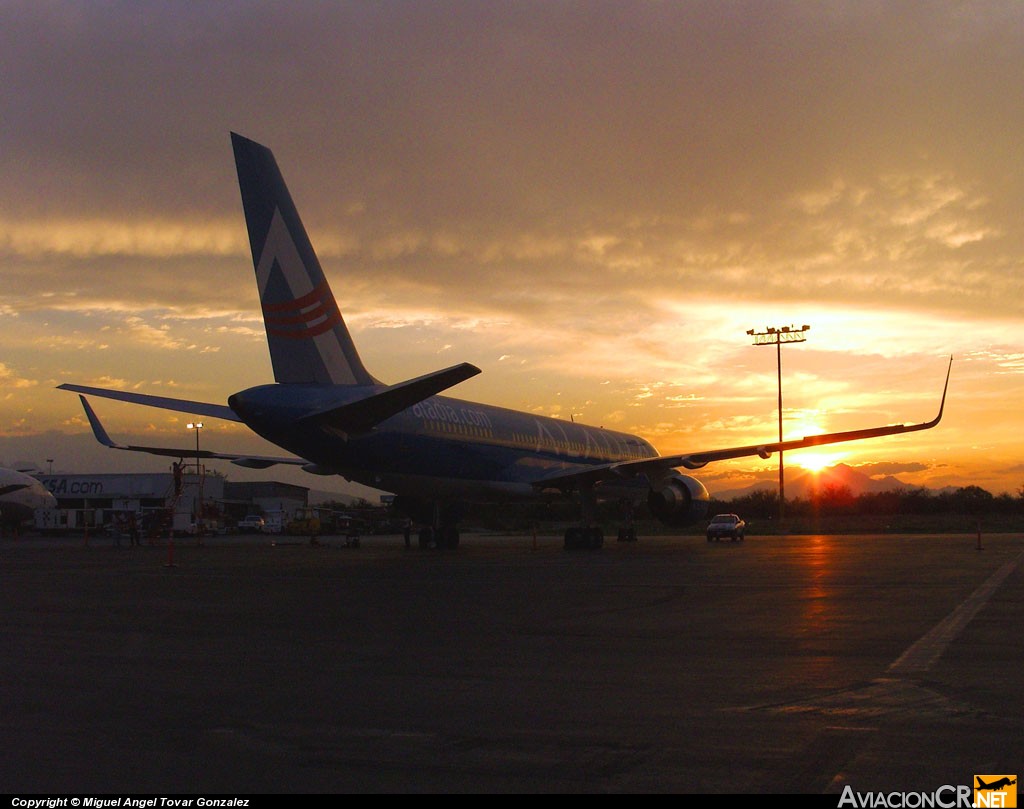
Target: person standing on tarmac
{"points": [[177, 468]]}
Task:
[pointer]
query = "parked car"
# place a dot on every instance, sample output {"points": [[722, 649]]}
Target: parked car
{"points": [[726, 525], [253, 523], [205, 527]]}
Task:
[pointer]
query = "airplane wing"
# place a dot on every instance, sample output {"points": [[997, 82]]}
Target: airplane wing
{"points": [[352, 418], [248, 461], [695, 460], [163, 402]]}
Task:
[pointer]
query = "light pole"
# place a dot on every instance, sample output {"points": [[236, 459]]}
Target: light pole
{"points": [[776, 337], [197, 426]]}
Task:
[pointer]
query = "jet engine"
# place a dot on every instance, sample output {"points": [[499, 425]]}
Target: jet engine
{"points": [[678, 500]]}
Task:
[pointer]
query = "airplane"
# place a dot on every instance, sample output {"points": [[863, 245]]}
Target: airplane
{"points": [[433, 452], [996, 785], [20, 496]]}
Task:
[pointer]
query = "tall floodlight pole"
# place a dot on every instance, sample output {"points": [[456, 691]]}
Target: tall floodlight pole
{"points": [[197, 426], [776, 337]]}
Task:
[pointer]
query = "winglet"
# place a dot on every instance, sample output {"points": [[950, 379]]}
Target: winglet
{"points": [[250, 461], [97, 428], [942, 403]]}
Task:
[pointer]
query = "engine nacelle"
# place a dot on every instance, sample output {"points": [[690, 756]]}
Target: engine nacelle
{"points": [[679, 501]]}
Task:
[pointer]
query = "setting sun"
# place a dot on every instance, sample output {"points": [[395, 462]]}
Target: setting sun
{"points": [[816, 461]]}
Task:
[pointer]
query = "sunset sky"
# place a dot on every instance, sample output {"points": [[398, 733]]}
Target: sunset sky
{"points": [[592, 202]]}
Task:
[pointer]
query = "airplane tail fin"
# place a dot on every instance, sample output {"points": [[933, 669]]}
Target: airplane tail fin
{"points": [[308, 339]]}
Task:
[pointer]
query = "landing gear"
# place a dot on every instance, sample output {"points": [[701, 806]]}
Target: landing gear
{"points": [[585, 536], [445, 537], [441, 529], [426, 537], [627, 533]]}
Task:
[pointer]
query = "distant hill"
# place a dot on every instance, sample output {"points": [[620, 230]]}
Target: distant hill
{"points": [[801, 484]]}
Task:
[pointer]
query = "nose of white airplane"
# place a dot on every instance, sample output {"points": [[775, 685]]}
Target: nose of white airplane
{"points": [[41, 497]]}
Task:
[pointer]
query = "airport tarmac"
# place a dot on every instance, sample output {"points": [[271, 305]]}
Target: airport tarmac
{"points": [[791, 664]]}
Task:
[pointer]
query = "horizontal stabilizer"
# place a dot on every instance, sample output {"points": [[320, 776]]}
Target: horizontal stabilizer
{"points": [[181, 405], [362, 416], [249, 461]]}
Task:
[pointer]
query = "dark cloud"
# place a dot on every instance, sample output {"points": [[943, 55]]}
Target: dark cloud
{"points": [[856, 150], [891, 468]]}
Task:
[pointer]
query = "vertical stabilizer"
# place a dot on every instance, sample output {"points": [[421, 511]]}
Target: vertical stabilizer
{"points": [[308, 339]]}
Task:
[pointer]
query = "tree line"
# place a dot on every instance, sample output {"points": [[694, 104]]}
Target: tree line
{"points": [[833, 507], [838, 500]]}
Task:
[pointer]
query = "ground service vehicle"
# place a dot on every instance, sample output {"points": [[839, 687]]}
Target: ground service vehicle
{"points": [[304, 522], [726, 525], [250, 524]]}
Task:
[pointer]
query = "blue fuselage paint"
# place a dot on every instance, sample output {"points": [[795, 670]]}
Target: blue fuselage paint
{"points": [[465, 448]]}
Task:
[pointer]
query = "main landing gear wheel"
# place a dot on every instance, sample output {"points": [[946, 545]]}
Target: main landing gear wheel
{"points": [[446, 537], [580, 538]]}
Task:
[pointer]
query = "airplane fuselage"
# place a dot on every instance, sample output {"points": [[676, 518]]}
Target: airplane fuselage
{"points": [[450, 446], [20, 496]]}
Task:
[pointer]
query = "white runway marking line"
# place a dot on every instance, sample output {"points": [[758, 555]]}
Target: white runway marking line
{"points": [[922, 654]]}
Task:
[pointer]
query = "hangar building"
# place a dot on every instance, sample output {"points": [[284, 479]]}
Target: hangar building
{"points": [[177, 500]]}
